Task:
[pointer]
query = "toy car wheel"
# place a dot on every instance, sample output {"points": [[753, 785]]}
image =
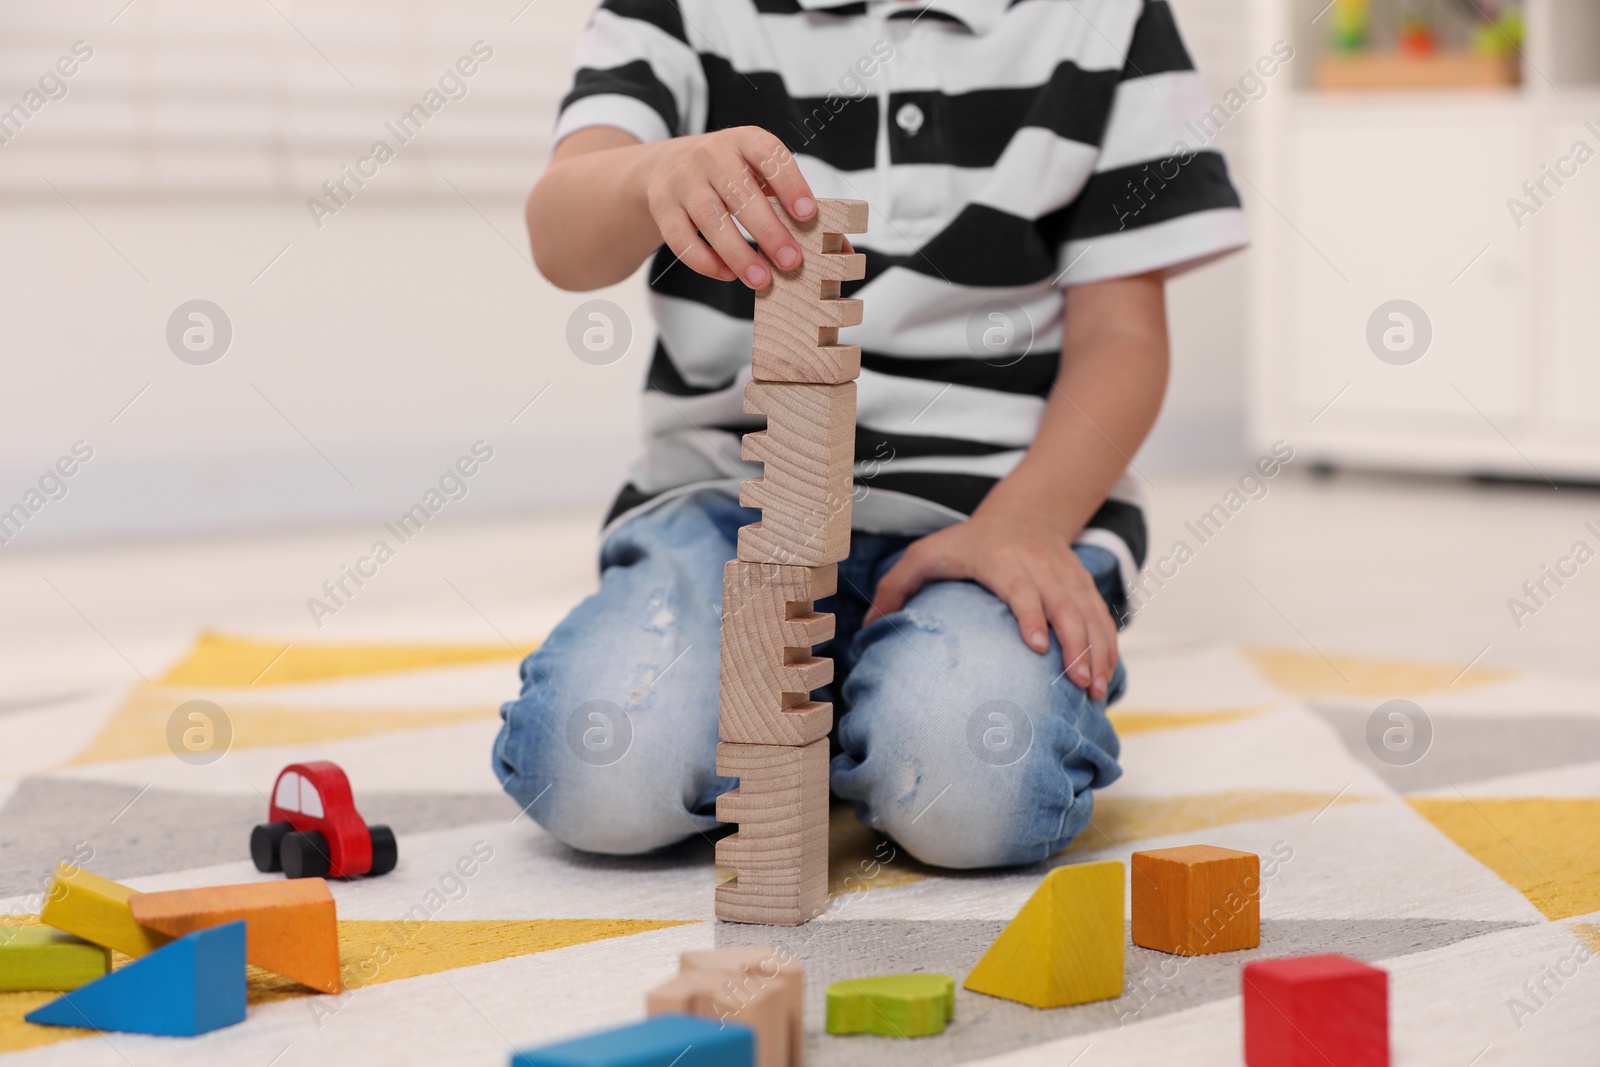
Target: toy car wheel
{"points": [[385, 851], [265, 841], [305, 855]]}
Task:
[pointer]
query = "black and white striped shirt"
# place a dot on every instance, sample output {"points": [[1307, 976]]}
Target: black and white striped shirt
{"points": [[1008, 149]]}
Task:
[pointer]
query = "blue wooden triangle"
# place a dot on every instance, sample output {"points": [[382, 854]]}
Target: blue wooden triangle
{"points": [[190, 986]]}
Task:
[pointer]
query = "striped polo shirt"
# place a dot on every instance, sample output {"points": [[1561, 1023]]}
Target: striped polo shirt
{"points": [[1007, 148]]}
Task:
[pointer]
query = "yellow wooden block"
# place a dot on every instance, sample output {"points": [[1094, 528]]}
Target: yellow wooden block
{"points": [[96, 909], [1066, 944]]}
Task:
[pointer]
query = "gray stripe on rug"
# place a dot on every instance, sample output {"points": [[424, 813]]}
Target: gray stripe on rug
{"points": [[45, 820], [1472, 748], [1157, 984]]}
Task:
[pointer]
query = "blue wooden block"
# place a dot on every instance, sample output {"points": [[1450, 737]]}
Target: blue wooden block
{"points": [[191, 986], [660, 1041]]}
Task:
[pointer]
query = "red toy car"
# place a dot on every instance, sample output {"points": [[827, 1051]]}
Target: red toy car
{"points": [[314, 831]]}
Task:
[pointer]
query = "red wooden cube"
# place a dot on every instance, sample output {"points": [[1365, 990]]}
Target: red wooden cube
{"points": [[1316, 1011]]}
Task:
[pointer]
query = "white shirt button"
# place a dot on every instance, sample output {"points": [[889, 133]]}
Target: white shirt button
{"points": [[909, 118]]}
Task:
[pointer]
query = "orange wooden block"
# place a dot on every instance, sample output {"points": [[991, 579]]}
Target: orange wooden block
{"points": [[753, 967], [804, 492], [291, 927], [711, 995], [781, 848], [768, 671], [1196, 900]]}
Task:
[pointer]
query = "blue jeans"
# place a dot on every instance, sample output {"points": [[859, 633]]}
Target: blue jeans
{"points": [[956, 739]]}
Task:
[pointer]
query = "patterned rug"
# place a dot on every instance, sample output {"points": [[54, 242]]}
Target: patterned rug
{"points": [[1457, 846]]}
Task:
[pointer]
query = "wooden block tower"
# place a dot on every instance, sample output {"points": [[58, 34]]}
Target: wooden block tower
{"points": [[774, 736]]}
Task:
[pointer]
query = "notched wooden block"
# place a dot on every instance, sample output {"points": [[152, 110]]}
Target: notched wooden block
{"points": [[768, 672], [781, 848], [798, 316], [1196, 900], [804, 491]]}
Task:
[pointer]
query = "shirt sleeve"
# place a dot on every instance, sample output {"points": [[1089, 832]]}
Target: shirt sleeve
{"points": [[1160, 197], [635, 69]]}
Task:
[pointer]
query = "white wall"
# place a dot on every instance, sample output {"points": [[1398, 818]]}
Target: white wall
{"points": [[379, 347]]}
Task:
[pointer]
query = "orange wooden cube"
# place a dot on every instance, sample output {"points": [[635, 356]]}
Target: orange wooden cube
{"points": [[1196, 900]]}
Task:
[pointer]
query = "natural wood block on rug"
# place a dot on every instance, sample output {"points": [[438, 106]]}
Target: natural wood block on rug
{"points": [[710, 995], [754, 966], [781, 848]]}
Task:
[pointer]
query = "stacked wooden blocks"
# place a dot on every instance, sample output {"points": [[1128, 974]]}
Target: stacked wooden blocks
{"points": [[774, 736], [189, 949], [761, 988]]}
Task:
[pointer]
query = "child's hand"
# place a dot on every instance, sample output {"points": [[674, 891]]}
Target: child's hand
{"points": [[700, 184], [1028, 562]]}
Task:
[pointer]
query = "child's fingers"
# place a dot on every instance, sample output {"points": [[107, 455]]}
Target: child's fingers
{"points": [[772, 160], [1103, 644], [1073, 634], [1022, 597], [903, 579], [770, 233], [711, 218], [685, 243], [893, 590]]}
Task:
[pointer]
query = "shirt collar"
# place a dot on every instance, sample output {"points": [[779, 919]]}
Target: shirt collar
{"points": [[978, 16]]}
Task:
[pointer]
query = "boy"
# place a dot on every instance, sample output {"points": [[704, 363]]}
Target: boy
{"points": [[1031, 186]]}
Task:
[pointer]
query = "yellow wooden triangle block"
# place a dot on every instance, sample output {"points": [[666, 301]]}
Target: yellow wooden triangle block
{"points": [[290, 925], [218, 660], [1066, 944]]}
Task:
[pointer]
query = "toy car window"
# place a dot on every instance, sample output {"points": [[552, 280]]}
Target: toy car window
{"points": [[310, 802], [287, 796]]}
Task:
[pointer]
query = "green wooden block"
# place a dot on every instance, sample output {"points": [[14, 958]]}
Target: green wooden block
{"points": [[42, 957], [895, 1005]]}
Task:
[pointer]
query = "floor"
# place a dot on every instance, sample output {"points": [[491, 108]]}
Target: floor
{"points": [[1470, 874]]}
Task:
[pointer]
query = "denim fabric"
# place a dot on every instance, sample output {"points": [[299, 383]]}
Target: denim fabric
{"points": [[956, 739]]}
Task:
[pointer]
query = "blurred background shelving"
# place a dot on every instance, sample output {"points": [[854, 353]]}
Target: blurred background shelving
{"points": [[1479, 203]]}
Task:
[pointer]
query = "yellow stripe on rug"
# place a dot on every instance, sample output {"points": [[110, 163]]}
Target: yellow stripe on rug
{"points": [[220, 661], [1123, 820], [1308, 675], [372, 952], [1547, 848], [138, 728], [1142, 721]]}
